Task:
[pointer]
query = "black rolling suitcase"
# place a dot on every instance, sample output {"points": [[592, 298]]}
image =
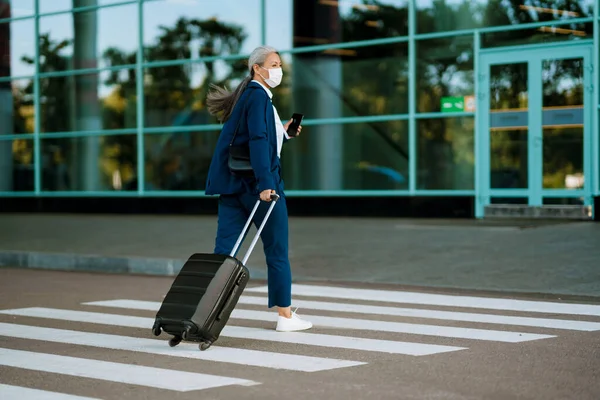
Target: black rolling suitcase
{"points": [[205, 292]]}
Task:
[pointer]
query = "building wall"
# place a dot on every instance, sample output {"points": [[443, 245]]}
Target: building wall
{"points": [[112, 102]]}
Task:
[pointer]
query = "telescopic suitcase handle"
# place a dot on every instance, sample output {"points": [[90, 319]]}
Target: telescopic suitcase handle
{"points": [[274, 198]]}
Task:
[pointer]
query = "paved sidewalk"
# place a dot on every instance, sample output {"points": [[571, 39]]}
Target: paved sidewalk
{"points": [[553, 257]]}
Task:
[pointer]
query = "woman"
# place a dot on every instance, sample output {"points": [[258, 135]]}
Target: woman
{"points": [[261, 128]]}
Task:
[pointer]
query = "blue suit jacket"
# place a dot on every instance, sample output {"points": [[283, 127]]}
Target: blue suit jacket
{"points": [[257, 128]]}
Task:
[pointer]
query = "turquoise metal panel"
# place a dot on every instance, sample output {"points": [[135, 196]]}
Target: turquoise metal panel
{"points": [[557, 193], [112, 132], [328, 193], [588, 134], [553, 193], [263, 22], [87, 8], [596, 92], [356, 120], [86, 71], [15, 78], [21, 136], [140, 100], [17, 194], [37, 174], [534, 131], [483, 133], [183, 129], [170, 63], [91, 193], [412, 99], [432, 115], [377, 193], [479, 76], [515, 50], [507, 193], [4, 20], [345, 45]]}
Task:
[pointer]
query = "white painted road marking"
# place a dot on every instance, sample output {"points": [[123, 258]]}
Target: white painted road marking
{"points": [[392, 296], [180, 381], [313, 339], [393, 311], [187, 350], [399, 327], [340, 342], [362, 324], [8, 392], [435, 314]]}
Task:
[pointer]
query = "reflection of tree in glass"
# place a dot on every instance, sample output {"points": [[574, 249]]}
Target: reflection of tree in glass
{"points": [[55, 110], [443, 15], [52, 91], [374, 82], [173, 95]]}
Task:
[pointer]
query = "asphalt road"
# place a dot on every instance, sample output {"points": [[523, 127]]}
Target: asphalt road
{"points": [[539, 256], [369, 341]]}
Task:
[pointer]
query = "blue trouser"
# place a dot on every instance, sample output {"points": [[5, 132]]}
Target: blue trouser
{"points": [[234, 211]]}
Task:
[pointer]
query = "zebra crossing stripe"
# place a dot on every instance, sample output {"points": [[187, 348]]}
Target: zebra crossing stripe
{"points": [[340, 342], [312, 339], [359, 324], [9, 392], [180, 381], [186, 350], [392, 296], [399, 327], [435, 314]]}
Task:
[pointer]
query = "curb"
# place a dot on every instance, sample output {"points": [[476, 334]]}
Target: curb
{"points": [[97, 263]]}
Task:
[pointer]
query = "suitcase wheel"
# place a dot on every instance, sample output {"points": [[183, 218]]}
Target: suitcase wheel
{"points": [[185, 333], [156, 330], [174, 341], [204, 345]]}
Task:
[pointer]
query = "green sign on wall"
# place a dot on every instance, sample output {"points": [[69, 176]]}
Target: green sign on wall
{"points": [[453, 104]]}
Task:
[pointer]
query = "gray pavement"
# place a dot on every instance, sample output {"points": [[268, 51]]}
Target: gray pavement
{"points": [[553, 257], [478, 362]]}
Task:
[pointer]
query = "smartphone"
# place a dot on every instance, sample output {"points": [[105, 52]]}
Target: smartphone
{"points": [[296, 121]]}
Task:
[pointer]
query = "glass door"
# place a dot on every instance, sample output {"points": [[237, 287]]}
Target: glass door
{"points": [[563, 130], [534, 127]]}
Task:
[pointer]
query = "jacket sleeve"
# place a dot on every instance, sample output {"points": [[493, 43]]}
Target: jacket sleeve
{"points": [[259, 141]]}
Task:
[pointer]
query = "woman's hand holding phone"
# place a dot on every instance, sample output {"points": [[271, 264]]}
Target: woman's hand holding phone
{"points": [[293, 127]]}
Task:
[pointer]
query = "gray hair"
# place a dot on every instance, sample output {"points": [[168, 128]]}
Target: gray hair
{"points": [[222, 101]]}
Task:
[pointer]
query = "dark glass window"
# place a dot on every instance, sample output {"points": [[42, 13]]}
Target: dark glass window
{"points": [[318, 22], [185, 30], [17, 47], [16, 107], [544, 34], [445, 157], [47, 6], [16, 165], [176, 95], [449, 15], [351, 82], [88, 102], [444, 69], [362, 156], [178, 161], [90, 39], [89, 163]]}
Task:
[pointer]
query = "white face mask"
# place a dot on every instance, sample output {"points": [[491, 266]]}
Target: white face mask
{"points": [[275, 75]]}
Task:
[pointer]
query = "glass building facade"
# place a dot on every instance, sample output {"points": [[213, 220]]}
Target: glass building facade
{"points": [[496, 101]]}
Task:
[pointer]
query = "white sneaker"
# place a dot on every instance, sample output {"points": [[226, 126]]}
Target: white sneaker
{"points": [[295, 323]]}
